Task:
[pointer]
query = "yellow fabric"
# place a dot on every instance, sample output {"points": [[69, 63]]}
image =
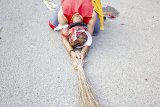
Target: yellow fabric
{"points": [[98, 8]]}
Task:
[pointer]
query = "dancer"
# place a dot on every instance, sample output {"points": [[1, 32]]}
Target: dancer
{"points": [[77, 21]]}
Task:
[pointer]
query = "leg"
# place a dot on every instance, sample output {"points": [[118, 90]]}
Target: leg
{"points": [[92, 23], [53, 22], [97, 26]]}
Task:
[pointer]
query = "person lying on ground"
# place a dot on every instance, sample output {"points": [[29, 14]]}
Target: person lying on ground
{"points": [[77, 21]]}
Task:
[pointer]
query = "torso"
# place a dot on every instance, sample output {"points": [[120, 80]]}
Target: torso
{"points": [[82, 9]]}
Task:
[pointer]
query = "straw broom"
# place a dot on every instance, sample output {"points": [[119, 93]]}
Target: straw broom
{"points": [[86, 96]]}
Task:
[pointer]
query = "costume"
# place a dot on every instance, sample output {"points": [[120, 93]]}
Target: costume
{"points": [[98, 8], [83, 8], [53, 22]]}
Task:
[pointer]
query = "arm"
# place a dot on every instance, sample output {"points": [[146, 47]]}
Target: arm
{"points": [[90, 30], [64, 33], [68, 47]]}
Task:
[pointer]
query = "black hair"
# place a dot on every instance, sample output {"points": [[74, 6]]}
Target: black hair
{"points": [[78, 24]]}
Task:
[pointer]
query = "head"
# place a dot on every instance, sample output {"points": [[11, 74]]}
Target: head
{"points": [[77, 36]]}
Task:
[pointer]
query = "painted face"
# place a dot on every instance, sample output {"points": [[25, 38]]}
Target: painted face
{"points": [[77, 36]]}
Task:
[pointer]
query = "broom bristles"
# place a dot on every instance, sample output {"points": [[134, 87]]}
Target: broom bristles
{"points": [[86, 96]]}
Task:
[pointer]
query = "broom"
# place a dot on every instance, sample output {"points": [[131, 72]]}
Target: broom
{"points": [[86, 96]]}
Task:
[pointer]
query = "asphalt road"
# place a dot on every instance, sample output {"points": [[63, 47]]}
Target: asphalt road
{"points": [[123, 64]]}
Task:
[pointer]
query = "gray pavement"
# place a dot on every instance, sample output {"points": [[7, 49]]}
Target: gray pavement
{"points": [[123, 64]]}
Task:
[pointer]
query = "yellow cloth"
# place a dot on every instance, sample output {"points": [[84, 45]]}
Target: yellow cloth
{"points": [[98, 8]]}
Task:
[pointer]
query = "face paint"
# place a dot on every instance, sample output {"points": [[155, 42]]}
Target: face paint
{"points": [[77, 36]]}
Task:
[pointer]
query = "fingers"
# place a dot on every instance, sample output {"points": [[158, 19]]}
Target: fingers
{"points": [[82, 58], [75, 64], [75, 61], [81, 61], [78, 55], [74, 58]]}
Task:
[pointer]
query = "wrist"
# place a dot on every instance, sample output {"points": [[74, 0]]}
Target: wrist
{"points": [[84, 52]]}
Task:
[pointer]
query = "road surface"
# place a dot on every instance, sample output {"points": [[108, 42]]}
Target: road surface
{"points": [[123, 64]]}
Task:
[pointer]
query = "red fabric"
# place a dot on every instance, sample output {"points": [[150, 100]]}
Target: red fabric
{"points": [[51, 25], [82, 7]]}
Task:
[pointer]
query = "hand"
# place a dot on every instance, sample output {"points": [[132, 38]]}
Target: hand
{"points": [[78, 55], [74, 58], [82, 56]]}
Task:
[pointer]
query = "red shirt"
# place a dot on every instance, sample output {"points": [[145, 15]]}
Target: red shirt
{"points": [[83, 8]]}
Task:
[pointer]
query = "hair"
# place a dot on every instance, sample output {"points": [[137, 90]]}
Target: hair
{"points": [[81, 39], [78, 24]]}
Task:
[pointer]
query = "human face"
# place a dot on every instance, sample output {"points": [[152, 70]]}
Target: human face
{"points": [[77, 37]]}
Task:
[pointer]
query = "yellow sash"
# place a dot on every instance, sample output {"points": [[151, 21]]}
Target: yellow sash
{"points": [[98, 8]]}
